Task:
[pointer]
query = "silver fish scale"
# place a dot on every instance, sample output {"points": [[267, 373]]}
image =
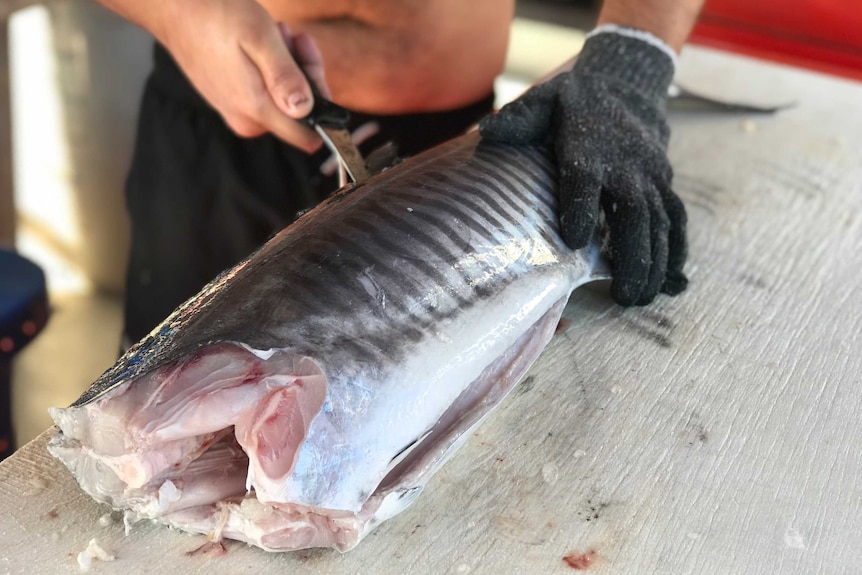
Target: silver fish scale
{"points": [[410, 248]]}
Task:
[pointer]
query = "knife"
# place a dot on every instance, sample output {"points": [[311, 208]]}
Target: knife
{"points": [[330, 121], [684, 99]]}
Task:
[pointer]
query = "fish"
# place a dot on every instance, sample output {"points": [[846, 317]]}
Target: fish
{"points": [[309, 393]]}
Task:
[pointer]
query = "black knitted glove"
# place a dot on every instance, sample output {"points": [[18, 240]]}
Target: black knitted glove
{"points": [[606, 124]]}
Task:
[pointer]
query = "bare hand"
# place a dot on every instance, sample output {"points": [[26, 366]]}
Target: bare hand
{"points": [[245, 66]]}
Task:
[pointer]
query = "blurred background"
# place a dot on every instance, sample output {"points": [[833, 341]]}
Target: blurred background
{"points": [[75, 72]]}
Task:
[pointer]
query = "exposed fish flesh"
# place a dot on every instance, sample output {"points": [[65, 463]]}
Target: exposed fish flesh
{"points": [[310, 392]]}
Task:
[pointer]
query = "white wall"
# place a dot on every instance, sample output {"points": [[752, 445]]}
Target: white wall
{"points": [[77, 72]]}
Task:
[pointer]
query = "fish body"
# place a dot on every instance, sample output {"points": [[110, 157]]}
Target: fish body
{"points": [[310, 392]]}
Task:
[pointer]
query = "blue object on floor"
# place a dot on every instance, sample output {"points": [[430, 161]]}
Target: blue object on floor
{"points": [[23, 314]]}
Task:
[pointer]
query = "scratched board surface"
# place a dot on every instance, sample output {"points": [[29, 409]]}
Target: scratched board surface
{"points": [[716, 432]]}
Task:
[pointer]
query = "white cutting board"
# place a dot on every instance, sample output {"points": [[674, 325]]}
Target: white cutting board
{"points": [[717, 432]]}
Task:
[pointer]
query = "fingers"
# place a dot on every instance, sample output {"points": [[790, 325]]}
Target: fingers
{"points": [[260, 115], [645, 219], [523, 121], [635, 215], [628, 218], [648, 245], [289, 130], [675, 280], [278, 91], [659, 227], [285, 82], [579, 189], [309, 57]]}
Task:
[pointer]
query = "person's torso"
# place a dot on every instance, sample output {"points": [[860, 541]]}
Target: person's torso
{"points": [[401, 56]]}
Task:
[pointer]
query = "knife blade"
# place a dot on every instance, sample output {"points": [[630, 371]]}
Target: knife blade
{"points": [[330, 121], [680, 98], [340, 143]]}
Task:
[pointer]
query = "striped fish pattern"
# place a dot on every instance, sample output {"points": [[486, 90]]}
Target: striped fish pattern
{"points": [[405, 291]]}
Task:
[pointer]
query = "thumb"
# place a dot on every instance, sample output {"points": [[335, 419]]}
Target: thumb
{"points": [[524, 120], [285, 82]]}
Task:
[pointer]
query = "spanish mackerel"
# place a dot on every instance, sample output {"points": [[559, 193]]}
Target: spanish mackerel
{"points": [[310, 392]]}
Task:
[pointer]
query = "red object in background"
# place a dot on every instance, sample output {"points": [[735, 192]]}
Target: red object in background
{"points": [[823, 35]]}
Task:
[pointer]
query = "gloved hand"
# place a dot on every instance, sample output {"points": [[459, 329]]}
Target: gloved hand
{"points": [[606, 124]]}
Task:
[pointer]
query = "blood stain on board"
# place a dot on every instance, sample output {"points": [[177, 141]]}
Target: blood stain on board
{"points": [[562, 325], [580, 561], [210, 549]]}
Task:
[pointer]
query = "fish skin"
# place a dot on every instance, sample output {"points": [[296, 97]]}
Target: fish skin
{"points": [[367, 282], [189, 327]]}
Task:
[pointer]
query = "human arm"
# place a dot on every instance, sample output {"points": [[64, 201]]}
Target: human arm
{"points": [[606, 125], [239, 59], [669, 20]]}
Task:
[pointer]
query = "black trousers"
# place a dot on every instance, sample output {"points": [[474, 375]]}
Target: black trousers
{"points": [[7, 433], [201, 199]]}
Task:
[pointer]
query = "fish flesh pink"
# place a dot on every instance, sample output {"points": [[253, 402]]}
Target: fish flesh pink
{"points": [[310, 392]]}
